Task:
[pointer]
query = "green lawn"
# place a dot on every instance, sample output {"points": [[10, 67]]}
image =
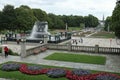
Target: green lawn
{"points": [[104, 35], [17, 75], [74, 28], [77, 58]]}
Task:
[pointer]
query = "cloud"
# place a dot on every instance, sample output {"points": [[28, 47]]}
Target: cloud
{"points": [[68, 7]]}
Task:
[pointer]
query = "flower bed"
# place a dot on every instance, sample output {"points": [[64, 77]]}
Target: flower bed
{"points": [[32, 71], [56, 73], [76, 74], [10, 67], [92, 76], [80, 72]]}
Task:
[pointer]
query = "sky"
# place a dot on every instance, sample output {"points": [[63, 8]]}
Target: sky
{"points": [[97, 8]]}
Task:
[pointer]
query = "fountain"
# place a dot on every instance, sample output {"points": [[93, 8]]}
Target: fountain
{"points": [[39, 32]]}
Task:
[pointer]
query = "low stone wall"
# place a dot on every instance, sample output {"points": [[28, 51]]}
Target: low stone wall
{"points": [[36, 50]]}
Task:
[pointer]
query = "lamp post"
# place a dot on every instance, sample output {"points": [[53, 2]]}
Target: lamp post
{"points": [[23, 47]]}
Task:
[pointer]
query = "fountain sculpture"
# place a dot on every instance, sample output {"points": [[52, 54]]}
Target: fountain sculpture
{"points": [[39, 31]]}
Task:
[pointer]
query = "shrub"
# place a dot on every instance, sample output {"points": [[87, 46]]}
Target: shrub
{"points": [[56, 73], [10, 67], [12, 53]]}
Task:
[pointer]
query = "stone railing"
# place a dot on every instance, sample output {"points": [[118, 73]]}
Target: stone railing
{"points": [[109, 50], [91, 49], [57, 47], [35, 50]]}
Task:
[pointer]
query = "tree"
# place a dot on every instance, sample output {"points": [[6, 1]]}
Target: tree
{"points": [[55, 22], [108, 23], [91, 21], [116, 20], [40, 15], [8, 17], [1, 28], [25, 18]]}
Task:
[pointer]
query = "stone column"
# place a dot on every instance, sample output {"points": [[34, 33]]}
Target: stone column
{"points": [[23, 48], [3, 53]]}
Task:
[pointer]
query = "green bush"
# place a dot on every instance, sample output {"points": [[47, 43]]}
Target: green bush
{"points": [[10, 52]]}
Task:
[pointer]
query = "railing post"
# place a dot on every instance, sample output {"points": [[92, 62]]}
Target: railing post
{"points": [[96, 48], [69, 46]]}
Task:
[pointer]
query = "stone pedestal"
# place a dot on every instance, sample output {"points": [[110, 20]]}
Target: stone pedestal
{"points": [[23, 50], [45, 39], [3, 53]]}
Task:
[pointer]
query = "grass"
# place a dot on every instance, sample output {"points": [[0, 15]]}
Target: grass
{"points": [[16, 75], [77, 58], [74, 28], [104, 35]]}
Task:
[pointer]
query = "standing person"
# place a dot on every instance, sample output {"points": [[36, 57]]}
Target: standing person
{"points": [[6, 51], [76, 42], [18, 41], [81, 40]]}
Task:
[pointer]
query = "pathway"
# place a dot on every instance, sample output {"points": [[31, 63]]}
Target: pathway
{"points": [[112, 63]]}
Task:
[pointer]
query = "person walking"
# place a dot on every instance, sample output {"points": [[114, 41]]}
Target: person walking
{"points": [[6, 51]]}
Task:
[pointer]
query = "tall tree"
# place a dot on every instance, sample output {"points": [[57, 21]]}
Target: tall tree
{"points": [[108, 23], [1, 28], [25, 18], [116, 20], [8, 17], [91, 21], [55, 22], [40, 15]]}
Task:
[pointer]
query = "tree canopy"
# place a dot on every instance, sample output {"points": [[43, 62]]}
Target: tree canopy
{"points": [[24, 17], [116, 20]]}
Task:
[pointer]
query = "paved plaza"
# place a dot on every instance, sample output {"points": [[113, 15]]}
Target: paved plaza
{"points": [[102, 42]]}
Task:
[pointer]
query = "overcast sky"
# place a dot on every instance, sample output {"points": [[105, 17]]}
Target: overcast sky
{"points": [[97, 8]]}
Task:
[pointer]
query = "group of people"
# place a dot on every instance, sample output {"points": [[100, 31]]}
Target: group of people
{"points": [[75, 41]]}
